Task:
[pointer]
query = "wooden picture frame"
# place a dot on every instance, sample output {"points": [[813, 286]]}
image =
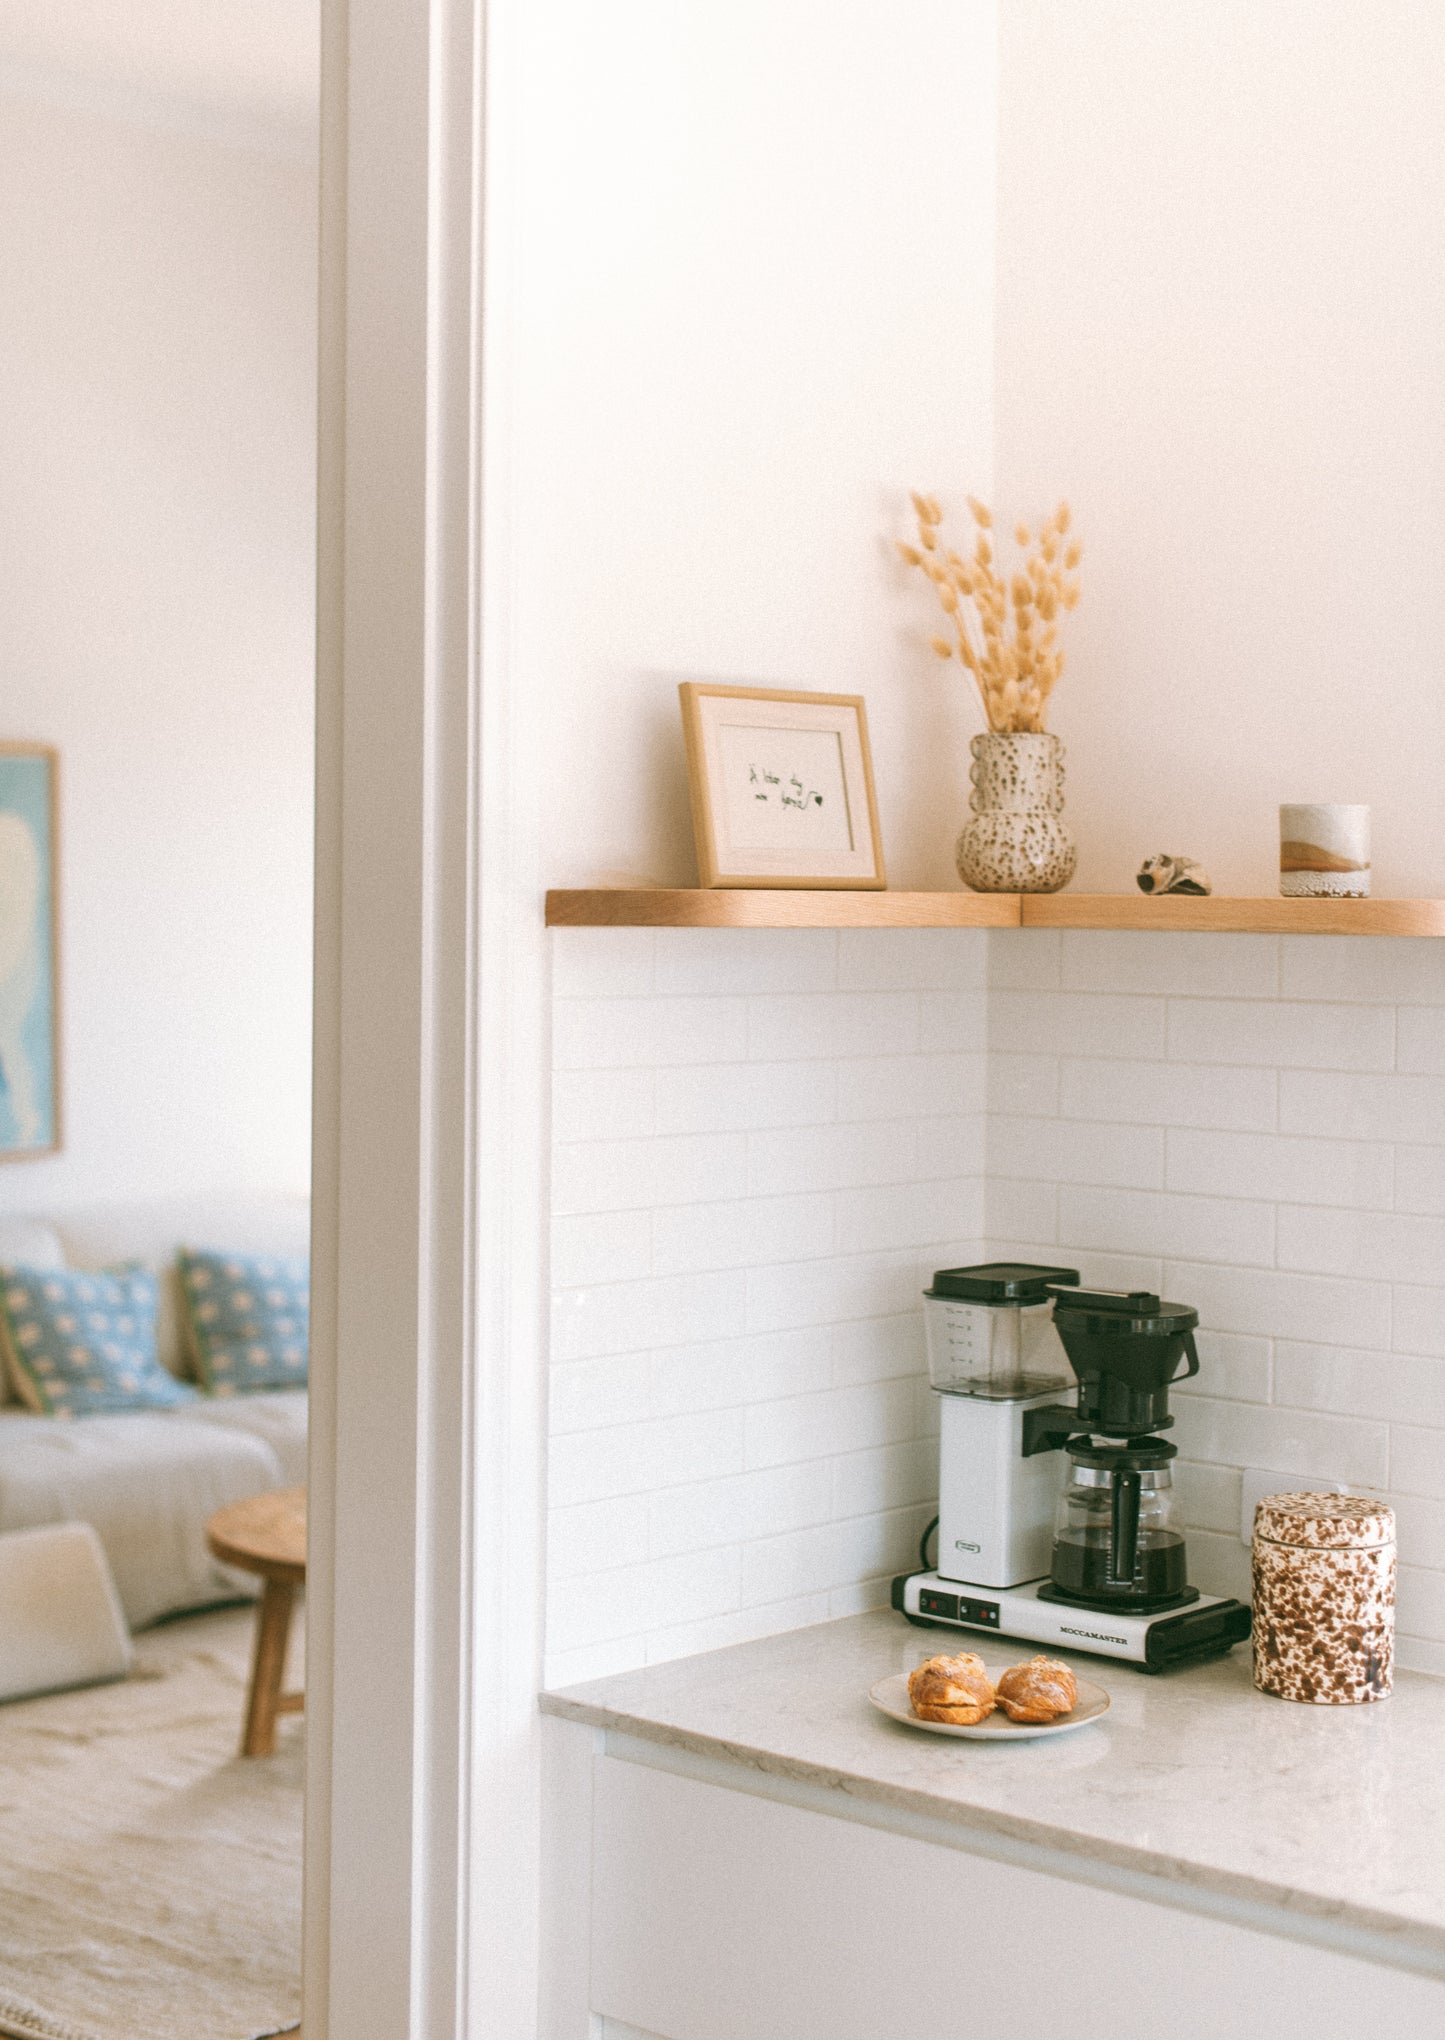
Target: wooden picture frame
{"points": [[782, 788], [29, 951]]}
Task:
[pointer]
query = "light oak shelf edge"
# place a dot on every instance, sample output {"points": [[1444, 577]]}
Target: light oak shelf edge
{"points": [[696, 907]]}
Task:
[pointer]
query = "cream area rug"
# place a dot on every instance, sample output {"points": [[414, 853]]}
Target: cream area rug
{"points": [[150, 1879]]}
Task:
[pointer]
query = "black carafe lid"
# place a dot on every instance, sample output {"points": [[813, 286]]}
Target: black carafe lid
{"points": [[1016, 1282]]}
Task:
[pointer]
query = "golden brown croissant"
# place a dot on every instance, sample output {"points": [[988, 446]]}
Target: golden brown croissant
{"points": [[955, 1689], [1040, 1690]]}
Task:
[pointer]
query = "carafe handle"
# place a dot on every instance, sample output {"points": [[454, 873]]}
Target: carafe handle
{"points": [[1124, 1529]]}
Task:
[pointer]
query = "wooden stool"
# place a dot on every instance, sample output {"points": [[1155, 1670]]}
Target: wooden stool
{"points": [[266, 1534]]}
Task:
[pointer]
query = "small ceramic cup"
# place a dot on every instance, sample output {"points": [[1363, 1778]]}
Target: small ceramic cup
{"points": [[1324, 851]]}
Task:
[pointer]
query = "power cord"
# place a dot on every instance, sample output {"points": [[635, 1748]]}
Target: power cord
{"points": [[923, 1546]]}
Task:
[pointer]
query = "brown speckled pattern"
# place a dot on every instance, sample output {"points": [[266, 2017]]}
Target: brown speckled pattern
{"points": [[1324, 1601], [1016, 841]]}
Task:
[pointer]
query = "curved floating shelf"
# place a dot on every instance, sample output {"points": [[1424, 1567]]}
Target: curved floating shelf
{"points": [[769, 907]]}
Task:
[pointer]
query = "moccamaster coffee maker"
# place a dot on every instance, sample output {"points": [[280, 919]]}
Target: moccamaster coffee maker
{"points": [[1082, 1561]]}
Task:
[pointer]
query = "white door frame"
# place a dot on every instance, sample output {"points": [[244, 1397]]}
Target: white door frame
{"points": [[430, 1115]]}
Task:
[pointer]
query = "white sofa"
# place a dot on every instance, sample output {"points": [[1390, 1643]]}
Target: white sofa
{"points": [[148, 1479]]}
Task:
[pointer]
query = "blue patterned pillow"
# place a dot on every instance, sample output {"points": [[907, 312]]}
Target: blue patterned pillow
{"points": [[249, 1317], [81, 1343]]}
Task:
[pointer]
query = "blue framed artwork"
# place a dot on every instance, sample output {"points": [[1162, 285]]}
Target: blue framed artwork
{"points": [[29, 987]]}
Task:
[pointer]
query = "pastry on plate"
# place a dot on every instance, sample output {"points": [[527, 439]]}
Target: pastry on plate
{"points": [[953, 1689], [1040, 1690]]}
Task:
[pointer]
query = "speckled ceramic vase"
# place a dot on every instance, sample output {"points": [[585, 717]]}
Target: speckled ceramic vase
{"points": [[1016, 841], [1324, 1598]]}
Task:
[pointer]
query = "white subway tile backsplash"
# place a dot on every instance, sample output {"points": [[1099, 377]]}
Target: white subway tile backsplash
{"points": [[1420, 1179], [1291, 1441], [741, 1506], [597, 1033], [625, 1175], [1022, 1209], [1378, 970], [1418, 1318], [1282, 1036], [629, 1317], [1075, 1023], [1383, 1107], [1398, 1387], [1022, 1084], [1025, 959], [1358, 1173], [1080, 1151], [832, 1157], [952, 1023], [925, 959], [603, 963], [738, 1097], [1167, 1094], [1420, 1040], [727, 961], [1155, 1222], [1389, 1246], [829, 1292], [846, 1024], [1233, 1366], [636, 1458], [908, 1214], [912, 1086], [1266, 1303], [606, 1105], [741, 1233], [1417, 1462], [766, 1141], [839, 1420], [611, 1246], [1194, 966], [590, 1537]]}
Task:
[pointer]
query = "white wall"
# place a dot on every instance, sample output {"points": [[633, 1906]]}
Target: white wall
{"points": [[157, 371], [753, 307], [1221, 331]]}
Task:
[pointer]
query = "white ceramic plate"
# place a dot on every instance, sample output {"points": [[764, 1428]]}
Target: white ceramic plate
{"points": [[890, 1697]]}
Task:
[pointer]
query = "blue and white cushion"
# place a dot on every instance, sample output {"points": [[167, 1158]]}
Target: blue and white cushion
{"points": [[78, 1344], [249, 1318]]}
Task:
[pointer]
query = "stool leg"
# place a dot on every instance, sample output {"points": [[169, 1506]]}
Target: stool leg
{"points": [[268, 1668]]}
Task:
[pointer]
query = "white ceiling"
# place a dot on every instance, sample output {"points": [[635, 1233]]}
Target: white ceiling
{"points": [[242, 65]]}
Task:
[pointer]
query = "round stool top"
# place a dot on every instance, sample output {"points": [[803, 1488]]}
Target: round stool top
{"points": [[265, 1534]]}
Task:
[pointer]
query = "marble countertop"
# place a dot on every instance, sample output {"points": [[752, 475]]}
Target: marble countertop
{"points": [[1338, 1813]]}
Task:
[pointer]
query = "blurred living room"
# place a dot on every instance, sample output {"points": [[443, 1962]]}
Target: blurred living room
{"points": [[157, 497]]}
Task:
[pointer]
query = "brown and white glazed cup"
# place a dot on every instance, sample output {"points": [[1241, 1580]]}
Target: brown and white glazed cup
{"points": [[1324, 851]]}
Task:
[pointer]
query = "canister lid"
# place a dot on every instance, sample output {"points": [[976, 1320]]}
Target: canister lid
{"points": [[1325, 1522], [999, 1282]]}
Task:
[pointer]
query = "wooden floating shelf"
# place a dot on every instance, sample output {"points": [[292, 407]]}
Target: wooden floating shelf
{"points": [[768, 907], [772, 907]]}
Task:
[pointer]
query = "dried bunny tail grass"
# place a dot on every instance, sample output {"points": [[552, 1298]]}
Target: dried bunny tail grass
{"points": [[1005, 624]]}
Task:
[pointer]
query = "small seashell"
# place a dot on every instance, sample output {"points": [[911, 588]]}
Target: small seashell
{"points": [[1163, 874]]}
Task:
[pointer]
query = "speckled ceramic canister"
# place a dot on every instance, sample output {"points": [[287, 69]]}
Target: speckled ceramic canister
{"points": [[1016, 841], [1324, 1598]]}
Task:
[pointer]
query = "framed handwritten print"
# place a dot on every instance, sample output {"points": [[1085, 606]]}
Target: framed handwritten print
{"points": [[782, 788], [29, 993]]}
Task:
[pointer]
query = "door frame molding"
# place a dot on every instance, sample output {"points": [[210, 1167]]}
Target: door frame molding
{"points": [[430, 1118]]}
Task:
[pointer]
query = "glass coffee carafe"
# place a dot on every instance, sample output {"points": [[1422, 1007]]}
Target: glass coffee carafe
{"points": [[1113, 1546]]}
